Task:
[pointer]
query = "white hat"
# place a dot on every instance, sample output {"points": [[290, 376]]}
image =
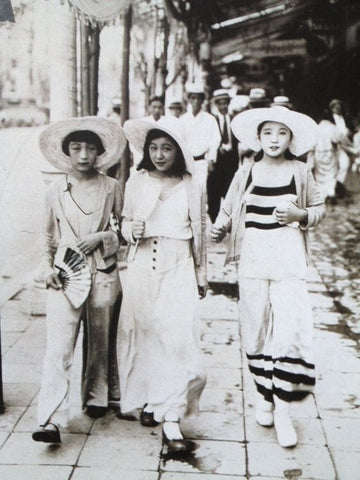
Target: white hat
{"points": [[221, 94], [257, 94], [116, 102], [197, 88], [174, 102], [136, 132], [226, 83], [281, 101], [239, 102], [110, 133], [303, 128]]}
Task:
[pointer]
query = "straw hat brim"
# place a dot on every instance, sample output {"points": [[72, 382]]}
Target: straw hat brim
{"points": [[136, 132], [304, 129], [221, 97], [110, 133]]}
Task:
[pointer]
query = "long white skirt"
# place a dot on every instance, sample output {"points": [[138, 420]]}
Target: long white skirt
{"points": [[159, 354]]}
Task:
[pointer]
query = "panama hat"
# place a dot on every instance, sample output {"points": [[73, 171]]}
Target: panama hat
{"points": [[136, 132], [281, 101], [196, 88], [174, 102], [239, 102], [221, 94], [109, 132], [303, 128], [258, 98]]}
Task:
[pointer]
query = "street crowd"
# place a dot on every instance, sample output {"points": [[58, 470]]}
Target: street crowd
{"points": [[263, 173]]}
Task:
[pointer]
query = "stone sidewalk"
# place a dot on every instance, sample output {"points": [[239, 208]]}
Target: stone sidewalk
{"points": [[228, 444]]}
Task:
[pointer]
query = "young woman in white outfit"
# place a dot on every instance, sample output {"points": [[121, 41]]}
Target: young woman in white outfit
{"points": [[80, 217], [271, 203], [163, 220]]}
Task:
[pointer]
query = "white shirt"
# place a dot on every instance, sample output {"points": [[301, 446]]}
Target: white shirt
{"points": [[222, 118], [201, 133], [340, 123]]}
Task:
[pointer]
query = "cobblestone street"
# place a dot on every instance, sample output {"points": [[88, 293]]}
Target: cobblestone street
{"points": [[227, 443]]}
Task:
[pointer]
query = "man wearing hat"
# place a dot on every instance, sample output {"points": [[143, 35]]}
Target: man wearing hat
{"points": [[344, 124], [281, 101], [201, 132], [175, 107], [257, 98], [227, 159], [116, 110]]}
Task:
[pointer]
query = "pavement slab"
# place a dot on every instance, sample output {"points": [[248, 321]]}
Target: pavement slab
{"points": [[79, 422], [221, 356], [10, 418], [215, 426], [20, 449], [215, 400], [198, 476], [339, 394], [224, 378], [18, 373], [269, 459], [227, 458], [122, 453], [343, 433], [87, 473], [19, 394], [347, 463], [112, 426], [34, 472]]}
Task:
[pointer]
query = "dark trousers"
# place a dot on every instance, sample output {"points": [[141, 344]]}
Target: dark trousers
{"points": [[219, 180]]}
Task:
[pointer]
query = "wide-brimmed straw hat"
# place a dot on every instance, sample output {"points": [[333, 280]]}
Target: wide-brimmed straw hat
{"points": [[303, 128], [136, 132], [110, 133]]}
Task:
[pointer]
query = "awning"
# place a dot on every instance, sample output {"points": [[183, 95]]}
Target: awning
{"points": [[98, 11]]}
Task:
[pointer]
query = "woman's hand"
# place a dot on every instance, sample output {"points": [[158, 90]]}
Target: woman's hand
{"points": [[138, 229], [217, 233], [53, 281], [89, 243], [202, 289], [288, 213]]}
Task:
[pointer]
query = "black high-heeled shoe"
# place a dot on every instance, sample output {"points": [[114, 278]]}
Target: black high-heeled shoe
{"points": [[174, 445], [147, 418], [47, 435]]}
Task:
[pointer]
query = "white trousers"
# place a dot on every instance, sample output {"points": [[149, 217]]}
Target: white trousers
{"points": [[277, 327], [201, 173], [344, 164], [100, 379]]}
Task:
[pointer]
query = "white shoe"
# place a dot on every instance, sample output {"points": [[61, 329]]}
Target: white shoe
{"points": [[264, 413], [285, 430]]}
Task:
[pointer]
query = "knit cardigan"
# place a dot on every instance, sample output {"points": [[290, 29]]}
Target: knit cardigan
{"points": [[232, 213]]}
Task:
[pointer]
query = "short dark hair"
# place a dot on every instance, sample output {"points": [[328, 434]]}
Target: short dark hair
{"points": [[156, 98], [201, 95], [287, 154], [179, 167], [83, 136]]}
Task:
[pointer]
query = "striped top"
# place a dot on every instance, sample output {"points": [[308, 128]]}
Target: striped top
{"points": [[262, 201], [268, 251]]}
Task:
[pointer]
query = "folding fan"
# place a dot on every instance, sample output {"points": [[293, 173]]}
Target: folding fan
{"points": [[74, 274]]}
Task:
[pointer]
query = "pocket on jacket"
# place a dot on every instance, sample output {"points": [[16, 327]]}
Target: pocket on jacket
{"points": [[105, 289]]}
